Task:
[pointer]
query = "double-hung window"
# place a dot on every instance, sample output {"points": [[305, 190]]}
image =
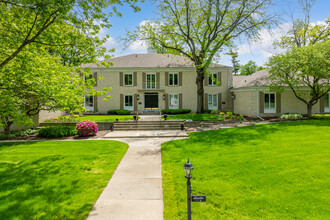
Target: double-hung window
{"points": [[270, 103], [151, 81], [327, 103], [128, 102], [128, 79], [173, 101], [213, 101], [173, 79], [89, 103], [213, 79]]}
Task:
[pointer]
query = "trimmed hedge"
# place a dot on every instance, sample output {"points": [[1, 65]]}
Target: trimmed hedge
{"points": [[119, 112], [176, 111], [207, 111], [57, 131]]}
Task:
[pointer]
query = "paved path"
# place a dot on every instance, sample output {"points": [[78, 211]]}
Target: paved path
{"points": [[149, 118], [146, 134], [135, 189]]}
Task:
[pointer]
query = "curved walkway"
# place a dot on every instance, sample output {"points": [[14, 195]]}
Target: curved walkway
{"points": [[135, 189]]}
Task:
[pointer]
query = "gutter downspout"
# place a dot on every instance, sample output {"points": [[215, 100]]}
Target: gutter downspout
{"points": [[258, 106]]}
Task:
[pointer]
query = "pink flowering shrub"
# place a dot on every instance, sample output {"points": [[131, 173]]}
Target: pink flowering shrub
{"points": [[86, 128]]}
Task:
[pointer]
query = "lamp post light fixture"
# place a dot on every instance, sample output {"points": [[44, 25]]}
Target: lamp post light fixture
{"points": [[188, 168], [165, 116]]}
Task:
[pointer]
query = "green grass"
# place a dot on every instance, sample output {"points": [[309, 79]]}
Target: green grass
{"points": [[55, 179], [196, 117], [105, 118], [269, 171]]}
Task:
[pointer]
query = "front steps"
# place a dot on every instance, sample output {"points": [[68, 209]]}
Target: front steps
{"points": [[147, 125]]}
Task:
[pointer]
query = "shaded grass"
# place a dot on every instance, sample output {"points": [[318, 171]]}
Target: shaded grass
{"points": [[105, 118], [196, 117], [55, 179], [321, 116], [269, 171]]}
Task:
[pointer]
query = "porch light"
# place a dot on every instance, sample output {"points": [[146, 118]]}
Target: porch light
{"points": [[164, 97], [233, 96], [188, 167], [138, 97]]}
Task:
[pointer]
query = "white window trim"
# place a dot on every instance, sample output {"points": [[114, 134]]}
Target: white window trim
{"points": [[327, 109], [131, 108], [124, 79], [89, 108], [169, 101], [212, 107], [270, 110], [173, 79], [214, 83], [151, 82]]}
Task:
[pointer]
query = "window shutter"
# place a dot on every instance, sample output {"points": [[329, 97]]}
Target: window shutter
{"points": [[219, 78], [180, 101], [206, 101], [121, 78], [322, 105], [278, 103], [166, 78], [121, 101], [166, 101], [157, 80], [95, 78], [206, 80], [144, 81], [219, 101], [96, 107], [261, 102], [180, 78], [135, 78], [135, 102]]}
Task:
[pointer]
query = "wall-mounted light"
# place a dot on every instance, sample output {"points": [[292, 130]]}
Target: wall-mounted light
{"points": [[164, 97], [138, 97], [233, 96]]}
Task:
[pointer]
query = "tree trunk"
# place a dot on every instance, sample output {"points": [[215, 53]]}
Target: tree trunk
{"points": [[309, 110], [7, 128], [200, 90]]}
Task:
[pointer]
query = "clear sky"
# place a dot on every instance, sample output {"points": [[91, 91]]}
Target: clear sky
{"points": [[258, 52]]}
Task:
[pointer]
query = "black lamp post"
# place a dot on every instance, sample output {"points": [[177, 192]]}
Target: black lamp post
{"points": [[165, 116], [188, 167]]}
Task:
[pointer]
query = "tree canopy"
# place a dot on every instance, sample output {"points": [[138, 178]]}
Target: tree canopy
{"points": [[199, 30], [250, 68]]}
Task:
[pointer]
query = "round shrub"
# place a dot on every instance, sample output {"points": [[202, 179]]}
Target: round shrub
{"points": [[86, 128]]}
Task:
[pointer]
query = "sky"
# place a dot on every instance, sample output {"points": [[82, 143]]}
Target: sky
{"points": [[247, 49]]}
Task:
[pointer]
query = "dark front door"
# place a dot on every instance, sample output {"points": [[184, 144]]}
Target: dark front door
{"points": [[151, 101]]}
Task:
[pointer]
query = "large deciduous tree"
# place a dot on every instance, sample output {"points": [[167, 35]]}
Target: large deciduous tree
{"points": [[250, 68], [305, 70], [40, 42], [199, 30]]}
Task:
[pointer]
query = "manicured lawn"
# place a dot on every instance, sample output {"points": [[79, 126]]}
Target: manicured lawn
{"points": [[106, 118], [321, 116], [55, 179], [270, 171], [196, 117]]}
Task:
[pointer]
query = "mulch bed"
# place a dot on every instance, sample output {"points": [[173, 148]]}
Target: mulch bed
{"points": [[34, 137]]}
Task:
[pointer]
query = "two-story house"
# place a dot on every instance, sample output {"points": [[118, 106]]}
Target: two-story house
{"points": [[148, 83]]}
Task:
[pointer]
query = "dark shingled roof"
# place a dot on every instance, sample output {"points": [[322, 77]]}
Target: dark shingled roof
{"points": [[256, 79], [149, 61]]}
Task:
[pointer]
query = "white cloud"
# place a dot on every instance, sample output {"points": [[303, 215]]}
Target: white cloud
{"points": [[264, 43], [138, 45]]}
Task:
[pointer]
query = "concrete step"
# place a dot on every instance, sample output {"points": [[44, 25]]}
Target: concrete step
{"points": [[144, 129]]}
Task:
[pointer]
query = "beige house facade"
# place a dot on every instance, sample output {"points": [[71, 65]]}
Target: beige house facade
{"points": [[148, 83], [252, 98]]}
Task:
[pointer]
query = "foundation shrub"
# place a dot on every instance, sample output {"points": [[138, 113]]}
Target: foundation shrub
{"points": [[291, 116], [175, 111], [118, 112]]}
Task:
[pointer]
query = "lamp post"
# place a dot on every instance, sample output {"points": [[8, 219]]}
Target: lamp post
{"points": [[188, 167]]}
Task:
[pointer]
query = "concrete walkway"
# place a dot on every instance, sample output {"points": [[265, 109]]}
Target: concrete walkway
{"points": [[146, 134], [149, 117], [135, 189]]}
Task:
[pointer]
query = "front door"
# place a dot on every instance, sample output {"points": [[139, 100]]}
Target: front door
{"points": [[151, 101]]}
